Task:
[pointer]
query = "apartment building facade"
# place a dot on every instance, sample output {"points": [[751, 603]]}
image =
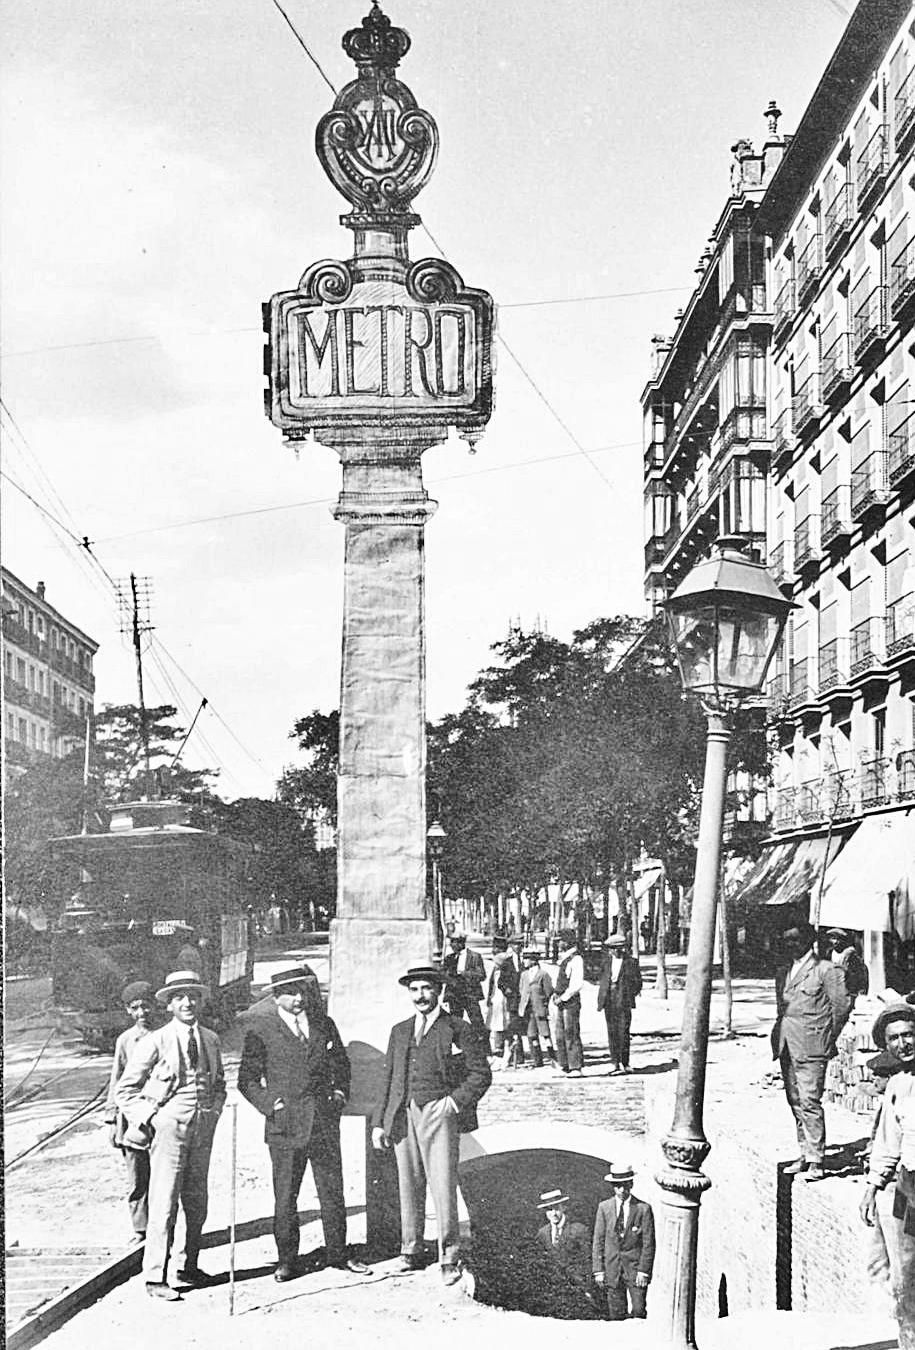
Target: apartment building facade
{"points": [[840, 217], [48, 683]]}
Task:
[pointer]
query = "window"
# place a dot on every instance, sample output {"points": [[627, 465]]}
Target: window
{"points": [[20, 670], [22, 730], [878, 723], [31, 678], [11, 725]]}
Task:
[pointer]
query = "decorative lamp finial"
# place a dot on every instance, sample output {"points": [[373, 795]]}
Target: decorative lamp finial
{"points": [[377, 45], [772, 114]]}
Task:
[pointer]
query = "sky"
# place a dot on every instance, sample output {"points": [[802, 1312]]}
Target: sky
{"points": [[158, 181]]}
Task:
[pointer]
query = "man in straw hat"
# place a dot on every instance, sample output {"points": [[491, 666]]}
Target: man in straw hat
{"points": [[296, 1073], [892, 1159], [435, 1072], [618, 987], [622, 1251], [174, 1083]]}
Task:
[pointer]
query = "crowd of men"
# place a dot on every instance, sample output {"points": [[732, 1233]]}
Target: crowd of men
{"points": [[168, 1089]]}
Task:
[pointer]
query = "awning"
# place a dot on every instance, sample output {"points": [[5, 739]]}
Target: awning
{"points": [[872, 883], [771, 868], [802, 881]]}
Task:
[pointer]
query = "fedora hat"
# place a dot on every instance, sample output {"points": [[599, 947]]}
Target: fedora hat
{"points": [[620, 1172], [894, 1012], [550, 1199], [292, 975], [181, 982], [431, 974]]}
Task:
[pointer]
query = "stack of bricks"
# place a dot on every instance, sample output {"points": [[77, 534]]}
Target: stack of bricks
{"points": [[848, 1079]]}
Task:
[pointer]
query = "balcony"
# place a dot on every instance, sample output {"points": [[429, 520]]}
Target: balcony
{"points": [[807, 549], [783, 309], [905, 775], [900, 452], [20, 636], [869, 324], [808, 268], [747, 422], [782, 435], [778, 693], [800, 688], [867, 647], [833, 670], [783, 816], [874, 775], [15, 692], [654, 551], [869, 488], [902, 280], [805, 404], [808, 802], [870, 169], [904, 113], [900, 628], [838, 220], [836, 369], [835, 525], [781, 561], [840, 795]]}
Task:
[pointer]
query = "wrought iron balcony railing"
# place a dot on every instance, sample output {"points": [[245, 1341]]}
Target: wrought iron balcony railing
{"points": [[840, 795], [781, 560], [807, 541], [900, 627], [784, 308], [869, 487], [836, 518], [905, 775], [800, 686], [900, 451], [836, 368], [785, 813], [904, 112], [867, 646], [869, 324], [782, 436], [808, 268], [838, 219], [805, 403], [833, 664], [870, 168], [808, 801], [874, 784], [902, 279]]}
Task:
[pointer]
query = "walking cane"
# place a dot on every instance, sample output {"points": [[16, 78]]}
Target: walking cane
{"points": [[234, 1110]]}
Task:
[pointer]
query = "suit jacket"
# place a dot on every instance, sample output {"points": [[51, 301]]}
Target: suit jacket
{"points": [[473, 974], [462, 1062], [627, 1256], [507, 979], [812, 1010], [535, 992], [305, 1074], [628, 985], [571, 1251], [156, 1071]]}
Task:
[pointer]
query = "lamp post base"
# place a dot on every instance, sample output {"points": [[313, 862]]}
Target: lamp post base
{"points": [[682, 1184]]}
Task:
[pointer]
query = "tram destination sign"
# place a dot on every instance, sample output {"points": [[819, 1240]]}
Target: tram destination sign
{"points": [[345, 349]]}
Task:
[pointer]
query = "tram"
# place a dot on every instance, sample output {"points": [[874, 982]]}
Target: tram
{"points": [[150, 895]]}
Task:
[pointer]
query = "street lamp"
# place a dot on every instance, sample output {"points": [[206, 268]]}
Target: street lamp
{"points": [[726, 619], [435, 843]]}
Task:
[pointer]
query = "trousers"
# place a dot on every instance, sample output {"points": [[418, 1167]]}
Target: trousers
{"points": [[428, 1155], [619, 1020], [288, 1170], [804, 1081], [136, 1165], [179, 1163], [617, 1308], [569, 1050], [900, 1251]]}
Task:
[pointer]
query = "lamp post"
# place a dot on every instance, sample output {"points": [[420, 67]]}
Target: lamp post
{"points": [[726, 619], [435, 844]]}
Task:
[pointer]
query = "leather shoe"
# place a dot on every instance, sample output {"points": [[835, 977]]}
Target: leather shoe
{"points": [[350, 1263], [192, 1277], [410, 1262], [814, 1173], [794, 1168], [451, 1274], [163, 1291], [284, 1273]]}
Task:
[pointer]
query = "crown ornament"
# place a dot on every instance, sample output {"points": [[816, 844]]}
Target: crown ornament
{"points": [[376, 145]]}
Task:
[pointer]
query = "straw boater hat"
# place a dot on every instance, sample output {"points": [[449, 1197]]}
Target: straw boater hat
{"points": [[620, 1172], [431, 974], [181, 982], [894, 1012], [550, 1199], [615, 940], [293, 975], [531, 953]]}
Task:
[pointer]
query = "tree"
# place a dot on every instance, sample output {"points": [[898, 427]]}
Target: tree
{"points": [[285, 866], [118, 755], [312, 789]]}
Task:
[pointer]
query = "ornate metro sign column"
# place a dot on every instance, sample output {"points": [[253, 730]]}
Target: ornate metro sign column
{"points": [[378, 357]]}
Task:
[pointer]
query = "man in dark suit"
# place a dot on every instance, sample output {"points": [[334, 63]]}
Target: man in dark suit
{"points": [[813, 1004], [465, 974], [435, 1073], [618, 988], [565, 1276], [295, 1071], [622, 1251]]}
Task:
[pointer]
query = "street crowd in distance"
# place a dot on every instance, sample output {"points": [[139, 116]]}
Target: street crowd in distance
{"points": [[168, 1088]]}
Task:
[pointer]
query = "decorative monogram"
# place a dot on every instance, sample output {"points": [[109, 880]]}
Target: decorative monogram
{"points": [[376, 145]]}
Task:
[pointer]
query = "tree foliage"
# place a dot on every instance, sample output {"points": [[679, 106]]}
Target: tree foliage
{"points": [[119, 761], [312, 788]]}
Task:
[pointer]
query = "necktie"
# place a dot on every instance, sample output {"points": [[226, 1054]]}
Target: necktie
{"points": [[301, 1031], [620, 1222], [193, 1053], [421, 1029]]}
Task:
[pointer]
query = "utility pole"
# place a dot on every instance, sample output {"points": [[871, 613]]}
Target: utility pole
{"points": [[133, 606]]}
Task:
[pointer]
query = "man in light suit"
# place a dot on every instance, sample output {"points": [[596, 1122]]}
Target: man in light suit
{"points": [[534, 1006], [174, 1085], [296, 1073], [618, 988], [623, 1247], [813, 1004], [435, 1072]]}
